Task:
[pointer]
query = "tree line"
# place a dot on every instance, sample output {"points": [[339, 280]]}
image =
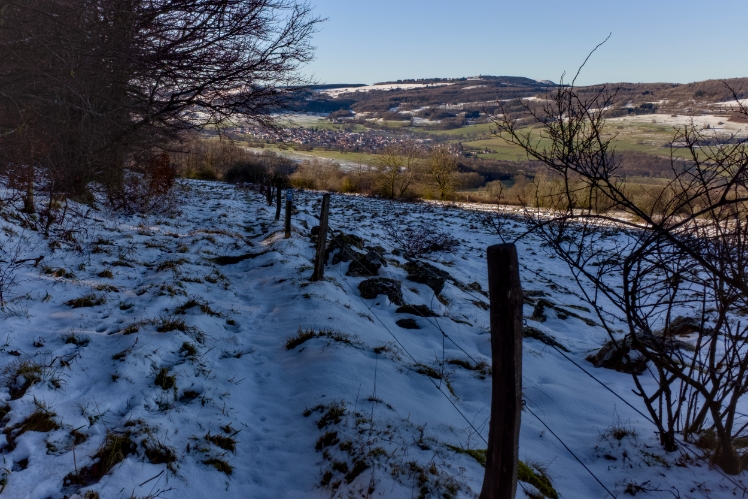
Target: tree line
{"points": [[398, 172], [95, 94]]}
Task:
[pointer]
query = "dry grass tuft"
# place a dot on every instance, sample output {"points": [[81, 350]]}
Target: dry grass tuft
{"points": [[225, 442], [75, 339], [220, 465], [90, 300], [114, 450], [165, 381], [58, 272], [41, 420], [172, 265], [304, 335], [22, 374], [197, 302], [159, 453]]}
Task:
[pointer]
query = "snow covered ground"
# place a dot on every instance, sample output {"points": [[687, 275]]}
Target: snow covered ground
{"points": [[715, 123], [336, 92], [190, 356]]}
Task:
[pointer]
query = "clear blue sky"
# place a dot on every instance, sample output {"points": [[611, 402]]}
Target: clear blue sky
{"points": [[366, 41]]}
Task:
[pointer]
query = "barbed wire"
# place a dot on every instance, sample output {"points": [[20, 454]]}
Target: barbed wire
{"points": [[369, 307], [683, 443], [568, 449], [566, 357]]}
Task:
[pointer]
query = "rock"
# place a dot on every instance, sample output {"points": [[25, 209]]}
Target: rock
{"points": [[424, 273], [380, 251], [682, 326], [419, 310], [376, 257], [613, 356], [341, 247], [371, 288], [349, 240], [408, 324], [364, 265], [342, 255]]}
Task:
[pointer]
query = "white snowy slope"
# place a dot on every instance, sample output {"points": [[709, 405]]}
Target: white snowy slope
{"points": [[180, 372]]}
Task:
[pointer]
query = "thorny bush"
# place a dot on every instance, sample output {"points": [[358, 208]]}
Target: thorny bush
{"points": [[680, 259]]}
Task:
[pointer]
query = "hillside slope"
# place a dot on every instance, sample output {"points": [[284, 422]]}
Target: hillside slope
{"points": [[189, 356], [483, 93]]}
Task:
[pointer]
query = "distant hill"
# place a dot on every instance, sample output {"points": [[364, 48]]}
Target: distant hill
{"points": [[510, 80], [483, 92], [333, 86], [465, 93]]}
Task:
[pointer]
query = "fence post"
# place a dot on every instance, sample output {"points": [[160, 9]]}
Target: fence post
{"points": [[319, 261], [278, 200], [269, 191], [289, 204], [505, 291]]}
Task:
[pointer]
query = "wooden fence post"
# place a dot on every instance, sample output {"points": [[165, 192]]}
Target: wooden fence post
{"points": [[289, 205], [505, 291], [278, 200], [319, 261], [269, 191]]}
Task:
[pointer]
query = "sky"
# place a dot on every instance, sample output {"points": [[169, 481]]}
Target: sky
{"points": [[652, 41]]}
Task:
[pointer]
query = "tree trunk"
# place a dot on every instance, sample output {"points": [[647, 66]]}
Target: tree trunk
{"points": [[28, 199], [726, 457]]}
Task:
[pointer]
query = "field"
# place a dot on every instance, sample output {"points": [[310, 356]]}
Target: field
{"points": [[188, 355], [648, 134]]}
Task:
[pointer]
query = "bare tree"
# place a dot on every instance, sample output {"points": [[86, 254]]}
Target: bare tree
{"points": [[674, 268], [99, 87], [396, 169], [442, 170]]}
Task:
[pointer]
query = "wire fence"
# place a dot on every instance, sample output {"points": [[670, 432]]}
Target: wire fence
{"points": [[369, 307], [353, 255], [449, 337]]}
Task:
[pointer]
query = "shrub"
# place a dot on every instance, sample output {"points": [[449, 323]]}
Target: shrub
{"points": [[419, 241], [245, 172], [204, 173]]}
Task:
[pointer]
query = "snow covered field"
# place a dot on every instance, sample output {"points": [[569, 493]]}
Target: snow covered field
{"points": [[190, 356], [336, 92], [715, 123]]}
